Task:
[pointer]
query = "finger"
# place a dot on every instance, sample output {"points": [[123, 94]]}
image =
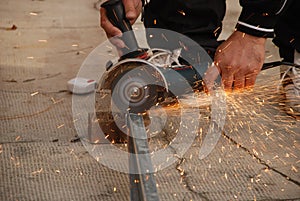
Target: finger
{"points": [[210, 76], [239, 82], [130, 10], [108, 27], [227, 80], [251, 78], [116, 41], [250, 81]]}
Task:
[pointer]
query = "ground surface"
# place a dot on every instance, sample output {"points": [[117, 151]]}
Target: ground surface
{"points": [[41, 157]]}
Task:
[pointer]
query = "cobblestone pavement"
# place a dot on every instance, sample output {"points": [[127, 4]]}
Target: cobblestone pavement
{"points": [[44, 43]]}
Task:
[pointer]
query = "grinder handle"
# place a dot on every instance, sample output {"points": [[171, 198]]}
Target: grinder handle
{"points": [[116, 14]]}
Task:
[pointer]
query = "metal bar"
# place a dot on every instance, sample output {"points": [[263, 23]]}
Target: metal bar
{"points": [[142, 180]]}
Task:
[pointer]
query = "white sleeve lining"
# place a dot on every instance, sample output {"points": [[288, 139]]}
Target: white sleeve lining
{"points": [[255, 27]]}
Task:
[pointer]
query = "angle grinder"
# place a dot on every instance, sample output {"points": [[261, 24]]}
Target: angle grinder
{"points": [[142, 78]]}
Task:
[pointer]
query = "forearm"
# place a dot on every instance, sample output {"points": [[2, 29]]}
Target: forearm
{"points": [[258, 17]]}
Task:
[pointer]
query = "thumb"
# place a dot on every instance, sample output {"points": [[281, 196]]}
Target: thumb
{"points": [[210, 77]]}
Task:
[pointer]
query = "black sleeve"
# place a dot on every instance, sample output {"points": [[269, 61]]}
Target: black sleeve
{"points": [[258, 17]]}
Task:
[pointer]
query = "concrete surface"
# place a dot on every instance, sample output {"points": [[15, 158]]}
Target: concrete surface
{"points": [[42, 158]]}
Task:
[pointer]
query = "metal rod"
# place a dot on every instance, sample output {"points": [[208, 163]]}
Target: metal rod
{"points": [[142, 180]]}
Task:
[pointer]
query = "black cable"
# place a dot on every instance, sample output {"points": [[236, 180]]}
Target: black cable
{"points": [[278, 63]]}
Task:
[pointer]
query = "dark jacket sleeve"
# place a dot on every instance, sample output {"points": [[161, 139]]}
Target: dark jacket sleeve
{"points": [[258, 17]]}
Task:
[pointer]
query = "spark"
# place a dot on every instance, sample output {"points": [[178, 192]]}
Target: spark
{"points": [[56, 101], [216, 30], [270, 56], [294, 169], [147, 177], [72, 151], [75, 45], [293, 155], [223, 149], [115, 189], [182, 12], [34, 93], [33, 13], [37, 171], [42, 41], [60, 126], [164, 37], [18, 138], [226, 46], [30, 57], [255, 152], [225, 175], [183, 46], [57, 171]]}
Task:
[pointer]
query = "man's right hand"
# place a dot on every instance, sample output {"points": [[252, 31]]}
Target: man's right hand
{"points": [[133, 9], [238, 60]]}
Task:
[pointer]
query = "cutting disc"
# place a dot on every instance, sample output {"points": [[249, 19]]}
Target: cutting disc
{"points": [[134, 85]]}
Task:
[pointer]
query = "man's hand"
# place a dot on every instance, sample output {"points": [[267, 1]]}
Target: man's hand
{"points": [[133, 9], [239, 59]]}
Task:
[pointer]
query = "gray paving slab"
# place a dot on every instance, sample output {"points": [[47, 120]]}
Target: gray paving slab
{"points": [[57, 171]]}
